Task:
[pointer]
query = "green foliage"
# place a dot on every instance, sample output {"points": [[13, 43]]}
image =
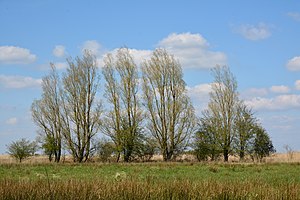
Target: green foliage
{"points": [[205, 144], [49, 146], [245, 124], [262, 144], [146, 149], [22, 149], [105, 149]]}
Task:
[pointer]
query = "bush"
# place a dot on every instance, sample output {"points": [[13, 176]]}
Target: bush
{"points": [[146, 150], [22, 149], [105, 150], [263, 145]]}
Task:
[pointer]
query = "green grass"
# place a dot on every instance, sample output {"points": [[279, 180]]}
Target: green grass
{"points": [[269, 173], [151, 181]]}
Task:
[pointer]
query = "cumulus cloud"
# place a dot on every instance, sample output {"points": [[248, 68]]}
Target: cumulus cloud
{"points": [[138, 55], [294, 64], [199, 91], [18, 82], [16, 55], [187, 40], [199, 95], [12, 121], [61, 65], [297, 84], [281, 102], [59, 51], [255, 92], [294, 15], [96, 49], [280, 89], [254, 32], [192, 50], [93, 46]]}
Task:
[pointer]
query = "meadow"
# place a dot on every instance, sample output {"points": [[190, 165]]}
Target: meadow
{"points": [[154, 180]]}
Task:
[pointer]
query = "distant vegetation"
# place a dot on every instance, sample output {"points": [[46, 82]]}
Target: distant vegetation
{"points": [[144, 110]]}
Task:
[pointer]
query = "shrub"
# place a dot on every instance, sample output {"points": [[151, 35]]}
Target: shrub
{"points": [[22, 149], [105, 150]]}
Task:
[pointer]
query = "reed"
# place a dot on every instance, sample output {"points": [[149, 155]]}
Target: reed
{"points": [[132, 189]]}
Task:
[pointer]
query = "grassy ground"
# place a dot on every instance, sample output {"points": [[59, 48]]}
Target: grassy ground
{"points": [[150, 181]]}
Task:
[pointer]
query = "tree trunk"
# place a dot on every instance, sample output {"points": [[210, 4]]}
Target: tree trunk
{"points": [[50, 157], [167, 155], [57, 155], [118, 157], [127, 154], [226, 155], [242, 153]]}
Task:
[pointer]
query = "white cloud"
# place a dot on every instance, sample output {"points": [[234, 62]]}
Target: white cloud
{"points": [[254, 32], [12, 121], [16, 55], [17, 82], [294, 64], [97, 50], [282, 102], [138, 55], [182, 40], [294, 15], [93, 46], [192, 50], [61, 65], [297, 84], [59, 51], [280, 89], [199, 95], [254, 92], [199, 91]]}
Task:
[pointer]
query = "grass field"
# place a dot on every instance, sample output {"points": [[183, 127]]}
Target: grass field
{"points": [[154, 180]]}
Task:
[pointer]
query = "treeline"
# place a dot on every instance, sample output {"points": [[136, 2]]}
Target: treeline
{"points": [[144, 109]]}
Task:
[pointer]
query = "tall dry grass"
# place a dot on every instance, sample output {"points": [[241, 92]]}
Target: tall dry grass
{"points": [[132, 189]]}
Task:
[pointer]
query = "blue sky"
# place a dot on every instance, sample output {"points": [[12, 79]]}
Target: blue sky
{"points": [[258, 40]]}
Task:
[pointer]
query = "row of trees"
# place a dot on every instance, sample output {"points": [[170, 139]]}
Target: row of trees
{"points": [[68, 112], [142, 110]]}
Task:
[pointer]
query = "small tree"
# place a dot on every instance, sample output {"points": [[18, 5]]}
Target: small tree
{"points": [[263, 145], [21, 149], [105, 149], [206, 138], [146, 149], [245, 124]]}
